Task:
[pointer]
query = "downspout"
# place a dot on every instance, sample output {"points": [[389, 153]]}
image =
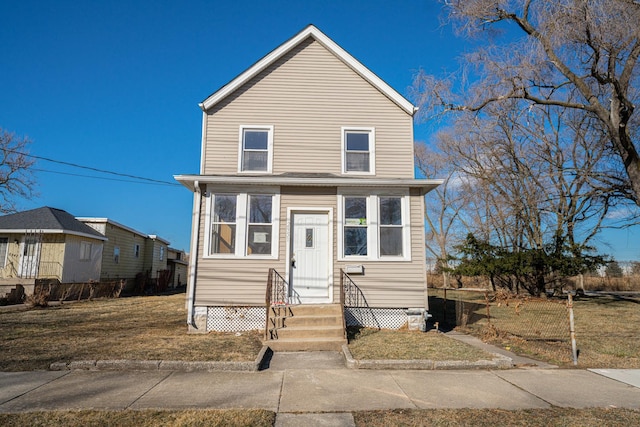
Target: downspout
{"points": [[195, 234]]}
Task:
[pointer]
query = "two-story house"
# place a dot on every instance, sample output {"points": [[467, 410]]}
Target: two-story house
{"points": [[307, 168]]}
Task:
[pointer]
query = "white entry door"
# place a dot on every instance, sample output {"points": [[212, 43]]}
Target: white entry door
{"points": [[309, 264]]}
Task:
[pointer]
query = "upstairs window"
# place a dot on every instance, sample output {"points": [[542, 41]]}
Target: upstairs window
{"points": [[116, 255], [255, 148], [358, 154]]}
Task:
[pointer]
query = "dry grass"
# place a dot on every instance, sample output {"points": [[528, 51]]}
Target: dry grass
{"points": [[606, 327], [589, 417], [139, 328], [373, 344], [146, 418]]}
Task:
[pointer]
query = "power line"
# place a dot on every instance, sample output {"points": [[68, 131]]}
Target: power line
{"points": [[75, 165], [102, 177]]}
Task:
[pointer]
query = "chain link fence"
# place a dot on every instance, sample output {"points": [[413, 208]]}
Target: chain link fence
{"points": [[500, 314]]}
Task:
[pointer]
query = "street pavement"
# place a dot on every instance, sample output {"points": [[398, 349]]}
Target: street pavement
{"points": [[317, 389]]}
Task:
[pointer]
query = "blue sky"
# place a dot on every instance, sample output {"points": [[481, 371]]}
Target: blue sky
{"points": [[116, 85]]}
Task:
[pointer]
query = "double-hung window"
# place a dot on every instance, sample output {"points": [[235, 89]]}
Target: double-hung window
{"points": [[374, 227], [85, 251], [358, 150], [223, 224], [260, 226], [391, 226], [256, 149], [355, 226], [243, 225]]}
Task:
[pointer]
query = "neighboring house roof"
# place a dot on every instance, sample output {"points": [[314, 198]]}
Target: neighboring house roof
{"points": [[320, 37], [308, 180], [47, 220], [91, 220]]}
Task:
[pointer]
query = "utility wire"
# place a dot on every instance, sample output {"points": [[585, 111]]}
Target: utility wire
{"points": [[101, 177], [75, 165]]}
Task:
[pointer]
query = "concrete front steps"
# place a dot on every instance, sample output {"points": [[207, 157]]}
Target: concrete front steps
{"points": [[312, 327]]}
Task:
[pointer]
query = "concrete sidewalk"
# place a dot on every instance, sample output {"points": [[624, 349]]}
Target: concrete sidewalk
{"points": [[287, 387]]}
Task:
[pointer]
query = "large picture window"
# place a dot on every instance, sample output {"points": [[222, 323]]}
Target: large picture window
{"points": [[255, 148], [375, 227], [243, 225], [358, 154]]}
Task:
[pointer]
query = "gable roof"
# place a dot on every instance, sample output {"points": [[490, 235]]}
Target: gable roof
{"points": [[320, 37], [47, 220]]}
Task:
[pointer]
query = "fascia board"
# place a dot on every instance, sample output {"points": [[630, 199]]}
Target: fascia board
{"points": [[44, 231], [189, 181], [333, 47]]}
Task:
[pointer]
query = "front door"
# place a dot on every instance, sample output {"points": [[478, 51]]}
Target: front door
{"points": [[309, 264], [30, 256]]}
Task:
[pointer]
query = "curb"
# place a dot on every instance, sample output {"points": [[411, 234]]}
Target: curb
{"points": [[159, 365], [498, 362]]}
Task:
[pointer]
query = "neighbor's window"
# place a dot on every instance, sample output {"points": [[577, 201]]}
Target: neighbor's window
{"points": [[116, 255], [391, 227], [255, 148], [161, 253], [223, 224], [4, 245], [136, 250], [85, 251], [355, 226], [260, 226], [358, 150]]}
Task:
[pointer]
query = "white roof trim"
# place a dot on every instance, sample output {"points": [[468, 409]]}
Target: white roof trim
{"points": [[54, 231], [112, 222], [320, 37], [190, 180]]}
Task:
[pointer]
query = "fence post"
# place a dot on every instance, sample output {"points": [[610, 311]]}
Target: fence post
{"points": [[574, 349], [444, 310], [486, 299]]}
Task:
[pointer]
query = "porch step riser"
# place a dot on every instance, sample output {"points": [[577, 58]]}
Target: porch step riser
{"points": [[306, 321], [316, 310], [301, 333], [311, 345]]}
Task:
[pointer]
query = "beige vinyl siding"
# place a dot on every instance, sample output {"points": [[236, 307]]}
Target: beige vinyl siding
{"points": [[242, 281], [129, 265], [230, 281], [396, 284], [10, 269], [308, 96], [152, 257]]}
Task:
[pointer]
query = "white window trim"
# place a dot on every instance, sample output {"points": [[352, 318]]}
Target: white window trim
{"points": [[242, 223], [373, 227], [372, 149], [269, 129], [84, 246]]}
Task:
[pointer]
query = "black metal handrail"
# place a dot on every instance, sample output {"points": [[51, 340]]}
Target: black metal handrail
{"points": [[352, 296], [276, 296]]}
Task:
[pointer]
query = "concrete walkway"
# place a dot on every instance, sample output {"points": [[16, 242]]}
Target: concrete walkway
{"points": [[317, 389]]}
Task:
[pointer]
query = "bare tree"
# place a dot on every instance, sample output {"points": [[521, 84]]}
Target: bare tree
{"points": [[443, 206], [580, 55], [16, 179]]}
